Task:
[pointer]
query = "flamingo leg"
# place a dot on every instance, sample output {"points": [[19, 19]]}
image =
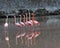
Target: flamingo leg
{"points": [[25, 41], [8, 44], [7, 38], [21, 36], [31, 31], [31, 41], [34, 41], [16, 37], [28, 42], [22, 40], [16, 41]]}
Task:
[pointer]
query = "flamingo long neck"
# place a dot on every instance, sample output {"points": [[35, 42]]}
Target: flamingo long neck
{"points": [[20, 18], [29, 16], [15, 19], [7, 19], [26, 17], [32, 17]]}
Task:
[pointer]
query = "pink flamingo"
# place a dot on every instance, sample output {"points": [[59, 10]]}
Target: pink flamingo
{"points": [[34, 21], [22, 24], [17, 24], [19, 34], [6, 34], [27, 22], [6, 23]]}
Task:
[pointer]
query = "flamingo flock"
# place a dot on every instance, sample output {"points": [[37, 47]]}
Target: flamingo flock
{"points": [[26, 37]]}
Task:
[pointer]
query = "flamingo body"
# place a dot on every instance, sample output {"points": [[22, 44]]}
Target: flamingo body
{"points": [[22, 24], [7, 38], [17, 24], [35, 22], [28, 23], [23, 34], [6, 25]]}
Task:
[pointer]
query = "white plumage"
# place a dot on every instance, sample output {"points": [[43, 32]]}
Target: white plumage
{"points": [[6, 25], [7, 38]]}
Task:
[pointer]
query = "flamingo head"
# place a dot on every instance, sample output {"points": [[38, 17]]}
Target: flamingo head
{"points": [[36, 23]]}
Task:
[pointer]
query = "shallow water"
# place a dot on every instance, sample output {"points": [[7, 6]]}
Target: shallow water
{"points": [[49, 38]]}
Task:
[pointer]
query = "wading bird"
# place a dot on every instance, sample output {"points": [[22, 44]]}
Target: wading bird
{"points": [[34, 21], [16, 23], [19, 34], [6, 23], [27, 22], [6, 33]]}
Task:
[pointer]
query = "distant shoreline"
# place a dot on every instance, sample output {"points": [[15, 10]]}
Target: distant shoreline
{"points": [[35, 16]]}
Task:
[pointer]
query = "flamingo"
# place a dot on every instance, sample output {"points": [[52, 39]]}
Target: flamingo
{"points": [[6, 34], [16, 23], [22, 24], [6, 23], [34, 21], [19, 34], [27, 22], [30, 23]]}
